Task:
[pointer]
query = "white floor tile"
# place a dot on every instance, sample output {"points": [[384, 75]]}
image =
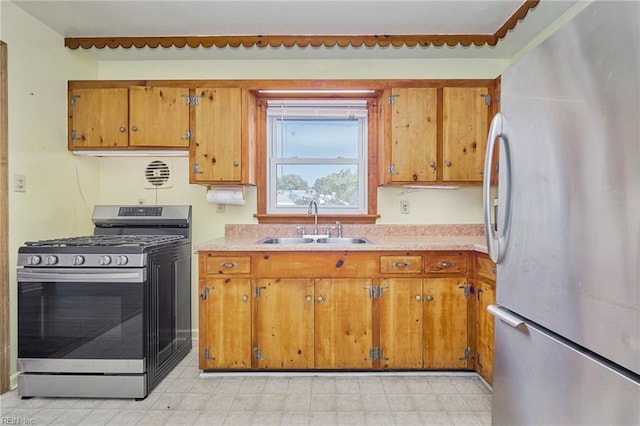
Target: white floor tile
{"points": [[280, 399], [98, 417], [126, 417], [378, 418], [294, 418], [267, 418]]}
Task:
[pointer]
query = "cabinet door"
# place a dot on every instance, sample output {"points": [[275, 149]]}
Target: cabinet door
{"points": [[343, 323], [225, 323], [98, 118], [159, 117], [486, 295], [412, 155], [217, 152], [465, 128], [284, 323], [445, 323], [401, 320]]}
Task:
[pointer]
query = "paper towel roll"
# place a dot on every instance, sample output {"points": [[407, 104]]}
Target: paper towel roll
{"points": [[226, 195]]}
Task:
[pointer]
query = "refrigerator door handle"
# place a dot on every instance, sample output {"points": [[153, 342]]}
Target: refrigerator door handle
{"points": [[504, 316], [497, 238]]}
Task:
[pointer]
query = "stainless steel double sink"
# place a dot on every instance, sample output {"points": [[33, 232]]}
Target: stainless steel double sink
{"points": [[306, 240]]}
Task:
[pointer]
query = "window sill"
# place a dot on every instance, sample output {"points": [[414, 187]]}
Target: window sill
{"points": [[323, 219]]}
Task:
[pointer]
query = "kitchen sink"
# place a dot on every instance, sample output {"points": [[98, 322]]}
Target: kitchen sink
{"points": [[343, 240], [286, 240], [306, 240]]}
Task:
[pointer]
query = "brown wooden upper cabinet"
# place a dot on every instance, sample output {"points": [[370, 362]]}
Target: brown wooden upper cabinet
{"points": [[224, 135], [136, 117], [465, 125], [434, 135], [412, 154]]}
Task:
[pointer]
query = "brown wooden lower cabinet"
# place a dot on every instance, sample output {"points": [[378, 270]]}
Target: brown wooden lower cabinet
{"points": [[486, 295], [446, 343], [401, 323], [343, 323], [225, 323], [485, 285], [284, 327], [395, 312]]}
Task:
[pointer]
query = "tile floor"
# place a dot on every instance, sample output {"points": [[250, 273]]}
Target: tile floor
{"points": [[186, 398]]}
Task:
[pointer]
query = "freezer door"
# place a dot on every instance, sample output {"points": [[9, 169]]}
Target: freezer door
{"points": [[541, 380], [572, 259]]}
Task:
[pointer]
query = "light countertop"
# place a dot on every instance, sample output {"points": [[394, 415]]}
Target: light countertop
{"points": [[381, 237]]}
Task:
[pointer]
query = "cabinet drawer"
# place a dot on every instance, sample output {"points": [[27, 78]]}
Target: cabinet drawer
{"points": [[228, 265], [453, 263], [400, 264], [485, 268], [326, 264]]}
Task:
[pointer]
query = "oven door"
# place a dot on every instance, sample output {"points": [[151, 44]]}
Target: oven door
{"points": [[81, 320]]}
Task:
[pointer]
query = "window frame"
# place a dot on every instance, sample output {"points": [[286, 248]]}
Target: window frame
{"points": [[372, 99], [299, 110]]}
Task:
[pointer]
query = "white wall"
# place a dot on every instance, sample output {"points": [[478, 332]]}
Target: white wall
{"points": [[38, 68], [122, 182], [286, 69]]}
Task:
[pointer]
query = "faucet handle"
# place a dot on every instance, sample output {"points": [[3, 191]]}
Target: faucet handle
{"points": [[301, 230], [328, 230], [339, 227]]}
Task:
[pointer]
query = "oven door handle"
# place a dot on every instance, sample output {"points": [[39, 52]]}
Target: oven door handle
{"points": [[138, 275]]}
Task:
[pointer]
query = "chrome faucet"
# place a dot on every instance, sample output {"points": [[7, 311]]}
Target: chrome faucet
{"points": [[313, 209]]}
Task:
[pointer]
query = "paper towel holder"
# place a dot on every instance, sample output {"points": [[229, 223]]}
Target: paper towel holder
{"points": [[223, 187], [241, 187]]}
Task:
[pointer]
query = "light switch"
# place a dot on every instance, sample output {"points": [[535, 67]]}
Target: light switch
{"points": [[404, 206], [19, 183]]}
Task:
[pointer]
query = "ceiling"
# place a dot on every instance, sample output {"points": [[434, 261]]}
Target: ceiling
{"points": [[139, 18]]}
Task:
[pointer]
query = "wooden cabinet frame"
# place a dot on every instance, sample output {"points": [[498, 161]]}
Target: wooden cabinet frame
{"points": [[321, 277], [127, 117], [254, 128], [432, 170], [482, 323]]}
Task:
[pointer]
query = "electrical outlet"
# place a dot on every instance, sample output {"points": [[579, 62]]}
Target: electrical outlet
{"points": [[19, 183], [404, 206], [220, 208]]}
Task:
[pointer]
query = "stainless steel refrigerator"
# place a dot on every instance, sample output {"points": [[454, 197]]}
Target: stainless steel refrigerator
{"points": [[567, 234]]}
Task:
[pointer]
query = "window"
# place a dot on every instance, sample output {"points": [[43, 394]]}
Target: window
{"points": [[317, 150]]}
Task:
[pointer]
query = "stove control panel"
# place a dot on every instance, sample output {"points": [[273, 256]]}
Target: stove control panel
{"points": [[86, 260], [140, 211]]}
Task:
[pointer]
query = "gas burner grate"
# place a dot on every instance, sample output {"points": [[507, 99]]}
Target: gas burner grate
{"points": [[106, 241]]}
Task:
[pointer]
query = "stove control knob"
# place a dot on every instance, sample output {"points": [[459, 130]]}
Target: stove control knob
{"points": [[122, 260], [51, 260], [104, 260], [78, 260], [34, 260]]}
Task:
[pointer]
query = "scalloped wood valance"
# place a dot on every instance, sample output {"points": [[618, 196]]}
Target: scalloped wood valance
{"points": [[305, 40]]}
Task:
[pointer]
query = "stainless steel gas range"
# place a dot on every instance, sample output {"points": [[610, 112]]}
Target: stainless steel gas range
{"points": [[106, 315]]}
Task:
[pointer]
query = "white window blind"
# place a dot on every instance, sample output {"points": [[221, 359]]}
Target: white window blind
{"points": [[317, 151]]}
